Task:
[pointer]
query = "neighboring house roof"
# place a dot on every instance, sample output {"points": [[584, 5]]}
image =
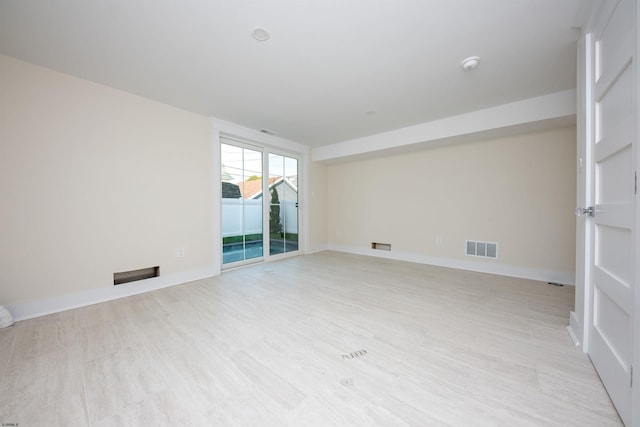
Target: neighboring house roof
{"points": [[293, 181], [252, 189]]}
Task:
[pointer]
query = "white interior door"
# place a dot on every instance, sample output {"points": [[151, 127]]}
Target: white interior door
{"points": [[612, 275]]}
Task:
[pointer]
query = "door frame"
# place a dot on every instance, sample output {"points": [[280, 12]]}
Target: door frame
{"points": [[580, 318], [635, 390], [256, 139]]}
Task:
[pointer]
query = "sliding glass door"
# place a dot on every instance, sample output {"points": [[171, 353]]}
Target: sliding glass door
{"points": [[259, 216], [283, 204], [242, 225]]}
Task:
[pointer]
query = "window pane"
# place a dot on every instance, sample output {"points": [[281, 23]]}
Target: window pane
{"points": [[241, 203], [283, 208], [276, 219]]}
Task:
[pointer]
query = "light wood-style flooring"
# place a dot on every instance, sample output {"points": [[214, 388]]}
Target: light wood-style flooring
{"points": [[265, 346]]}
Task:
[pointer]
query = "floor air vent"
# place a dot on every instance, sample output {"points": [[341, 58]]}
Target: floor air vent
{"points": [[481, 249], [354, 354], [132, 276]]}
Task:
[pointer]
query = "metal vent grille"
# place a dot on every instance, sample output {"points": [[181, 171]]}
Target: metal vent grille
{"points": [[481, 249], [134, 275], [354, 354]]}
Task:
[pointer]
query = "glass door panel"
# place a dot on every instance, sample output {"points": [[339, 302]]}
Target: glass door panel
{"points": [[283, 204], [242, 233]]}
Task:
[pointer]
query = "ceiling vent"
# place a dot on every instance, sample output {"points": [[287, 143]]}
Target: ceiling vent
{"points": [[267, 131]]}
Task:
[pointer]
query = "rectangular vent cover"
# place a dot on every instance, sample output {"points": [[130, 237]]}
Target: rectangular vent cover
{"points": [[481, 249], [381, 246], [132, 276]]}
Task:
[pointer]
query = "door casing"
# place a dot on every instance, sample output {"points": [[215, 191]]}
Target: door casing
{"points": [[220, 138]]}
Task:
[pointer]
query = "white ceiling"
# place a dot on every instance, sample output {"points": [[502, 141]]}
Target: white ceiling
{"points": [[325, 65]]}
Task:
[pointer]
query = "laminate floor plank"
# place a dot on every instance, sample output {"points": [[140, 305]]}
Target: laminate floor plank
{"points": [[7, 344], [329, 339]]}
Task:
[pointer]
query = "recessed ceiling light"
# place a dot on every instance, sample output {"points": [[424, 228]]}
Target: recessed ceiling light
{"points": [[470, 63], [260, 34]]}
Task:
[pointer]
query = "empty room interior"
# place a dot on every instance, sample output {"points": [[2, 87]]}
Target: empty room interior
{"points": [[319, 213]]}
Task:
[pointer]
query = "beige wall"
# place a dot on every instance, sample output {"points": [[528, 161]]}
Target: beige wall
{"points": [[94, 181], [317, 206], [517, 191]]}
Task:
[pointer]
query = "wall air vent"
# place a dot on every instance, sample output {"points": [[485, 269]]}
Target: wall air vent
{"points": [[381, 246], [132, 276], [481, 249]]}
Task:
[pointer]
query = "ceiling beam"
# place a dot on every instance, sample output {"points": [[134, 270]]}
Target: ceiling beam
{"points": [[553, 110]]}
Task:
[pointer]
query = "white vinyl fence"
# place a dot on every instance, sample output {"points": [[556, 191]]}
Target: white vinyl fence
{"points": [[234, 223], [289, 216]]}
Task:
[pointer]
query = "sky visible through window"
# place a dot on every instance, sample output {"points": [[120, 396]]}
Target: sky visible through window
{"points": [[239, 164]]}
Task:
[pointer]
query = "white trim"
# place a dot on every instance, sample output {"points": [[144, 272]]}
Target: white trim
{"points": [[589, 177], [584, 193], [242, 263], [574, 328], [635, 390], [230, 133], [573, 337], [60, 303], [560, 277], [266, 204], [249, 135], [316, 249], [216, 179], [303, 196], [284, 255]]}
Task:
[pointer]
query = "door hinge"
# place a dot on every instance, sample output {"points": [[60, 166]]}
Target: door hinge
{"points": [[631, 379]]}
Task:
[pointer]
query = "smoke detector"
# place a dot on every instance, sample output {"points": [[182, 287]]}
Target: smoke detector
{"points": [[260, 34], [470, 63]]}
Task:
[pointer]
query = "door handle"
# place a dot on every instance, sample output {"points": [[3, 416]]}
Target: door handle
{"points": [[590, 211]]}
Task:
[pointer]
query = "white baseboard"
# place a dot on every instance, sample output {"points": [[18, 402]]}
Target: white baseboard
{"points": [[316, 249], [574, 329], [82, 299], [498, 269], [33, 309], [573, 337]]}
